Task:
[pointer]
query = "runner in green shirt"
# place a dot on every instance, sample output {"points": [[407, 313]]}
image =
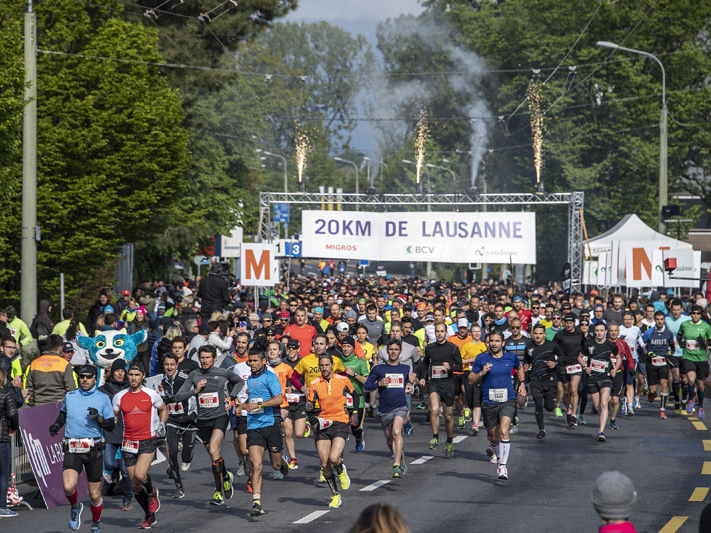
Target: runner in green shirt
{"points": [[357, 371], [693, 336]]}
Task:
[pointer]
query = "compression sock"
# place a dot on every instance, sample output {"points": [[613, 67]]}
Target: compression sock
{"points": [[676, 389], [357, 432], [96, 511], [497, 448], [664, 398], [142, 499], [435, 436], [331, 482], [338, 469], [217, 473], [583, 404], [148, 485], [449, 440], [504, 447], [73, 498], [700, 398], [684, 393]]}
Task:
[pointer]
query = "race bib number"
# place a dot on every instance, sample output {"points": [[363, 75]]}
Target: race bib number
{"points": [[349, 401], [498, 395], [209, 399], [292, 398], [395, 381], [79, 445], [130, 446], [659, 361], [324, 423], [572, 369], [176, 409], [256, 411], [692, 345], [598, 366], [439, 372]]}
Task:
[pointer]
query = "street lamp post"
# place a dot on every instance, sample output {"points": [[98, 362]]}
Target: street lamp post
{"points": [[357, 187], [662, 127], [283, 161]]}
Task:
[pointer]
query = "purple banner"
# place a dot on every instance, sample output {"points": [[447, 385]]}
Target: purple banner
{"points": [[46, 453]]}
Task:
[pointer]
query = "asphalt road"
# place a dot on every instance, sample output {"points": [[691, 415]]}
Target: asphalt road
{"points": [[548, 488]]}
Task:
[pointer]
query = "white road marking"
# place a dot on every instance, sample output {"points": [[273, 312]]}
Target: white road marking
{"points": [[311, 517], [377, 484], [422, 460], [459, 438]]}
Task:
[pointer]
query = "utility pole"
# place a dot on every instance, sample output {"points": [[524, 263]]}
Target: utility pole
{"points": [[28, 269]]}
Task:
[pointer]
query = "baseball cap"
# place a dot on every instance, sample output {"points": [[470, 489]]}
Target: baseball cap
{"points": [[126, 293], [420, 305], [348, 340], [342, 326], [88, 369], [517, 297], [569, 316], [293, 343], [429, 317], [270, 331], [285, 315], [556, 314], [137, 366], [67, 347], [463, 323], [318, 310]]}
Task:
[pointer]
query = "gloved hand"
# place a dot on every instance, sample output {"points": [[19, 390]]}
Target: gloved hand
{"points": [[701, 341], [161, 431], [93, 413], [54, 429], [355, 419]]}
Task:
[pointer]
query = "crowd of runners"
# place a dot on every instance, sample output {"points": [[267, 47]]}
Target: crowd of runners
{"points": [[314, 361]]}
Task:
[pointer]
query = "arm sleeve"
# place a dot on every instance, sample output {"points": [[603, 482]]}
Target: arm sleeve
{"points": [[457, 357], [372, 381], [294, 380], [61, 418], [186, 390], [237, 384], [423, 366]]}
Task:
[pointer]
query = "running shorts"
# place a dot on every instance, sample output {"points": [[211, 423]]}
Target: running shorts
{"points": [[387, 419], [700, 367], [444, 390], [206, 427], [148, 446], [595, 386], [337, 429], [269, 437], [492, 413], [91, 461], [655, 373]]}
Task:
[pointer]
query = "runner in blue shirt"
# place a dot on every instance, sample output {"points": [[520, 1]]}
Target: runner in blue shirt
{"points": [[660, 344], [673, 323], [495, 370], [87, 412], [393, 381], [263, 424]]}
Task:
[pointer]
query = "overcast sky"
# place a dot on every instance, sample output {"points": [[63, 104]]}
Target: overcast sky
{"points": [[355, 10]]}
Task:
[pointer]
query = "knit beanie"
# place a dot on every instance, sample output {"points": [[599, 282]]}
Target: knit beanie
{"points": [[614, 496]]}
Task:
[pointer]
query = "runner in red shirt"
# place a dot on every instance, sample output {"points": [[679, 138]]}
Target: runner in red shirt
{"points": [[524, 315], [302, 332], [145, 416]]}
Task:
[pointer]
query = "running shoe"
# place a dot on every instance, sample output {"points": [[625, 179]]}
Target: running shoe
{"points": [[343, 478], [8, 513], [75, 516], [650, 397], [307, 431], [256, 508], [637, 405], [502, 472], [241, 469], [336, 501], [227, 486], [149, 521], [514, 429], [360, 445], [541, 434], [623, 407], [153, 502], [662, 415], [421, 406], [601, 437], [582, 421], [475, 430], [492, 456], [558, 412], [460, 422], [179, 493], [434, 441], [217, 498], [397, 470], [321, 478], [690, 406], [467, 413], [293, 464], [700, 413], [277, 475], [95, 528], [127, 506], [449, 450], [630, 411], [613, 424], [408, 429], [169, 473], [284, 469], [184, 467]]}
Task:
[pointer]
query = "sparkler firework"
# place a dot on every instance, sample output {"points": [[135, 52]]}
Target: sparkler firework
{"points": [[534, 105], [421, 136], [301, 142]]}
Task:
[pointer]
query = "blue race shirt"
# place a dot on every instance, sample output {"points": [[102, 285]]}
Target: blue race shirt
{"points": [[76, 405], [391, 396], [262, 389], [499, 375]]}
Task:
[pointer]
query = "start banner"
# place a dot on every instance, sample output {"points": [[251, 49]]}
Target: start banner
{"points": [[444, 237]]}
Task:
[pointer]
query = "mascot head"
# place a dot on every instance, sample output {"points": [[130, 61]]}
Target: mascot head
{"points": [[108, 346]]}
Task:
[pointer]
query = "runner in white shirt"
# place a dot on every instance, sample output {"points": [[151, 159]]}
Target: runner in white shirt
{"points": [[632, 335]]}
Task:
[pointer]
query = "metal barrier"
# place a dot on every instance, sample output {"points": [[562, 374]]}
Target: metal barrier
{"points": [[20, 461]]}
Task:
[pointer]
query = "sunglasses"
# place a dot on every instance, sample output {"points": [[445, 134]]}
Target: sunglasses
{"points": [[695, 312], [86, 376], [515, 327]]}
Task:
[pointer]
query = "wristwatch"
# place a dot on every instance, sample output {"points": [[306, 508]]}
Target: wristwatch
{"points": [[259, 404]]}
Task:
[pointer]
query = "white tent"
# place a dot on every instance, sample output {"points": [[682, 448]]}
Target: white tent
{"points": [[631, 228]]}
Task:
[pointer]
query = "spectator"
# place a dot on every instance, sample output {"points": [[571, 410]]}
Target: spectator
{"points": [[42, 324], [50, 376], [197, 341], [379, 518], [102, 306], [8, 425], [80, 355], [213, 293], [62, 327], [10, 351], [17, 327], [614, 498]]}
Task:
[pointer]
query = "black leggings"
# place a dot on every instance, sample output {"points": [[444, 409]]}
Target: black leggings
{"points": [[173, 436], [544, 396]]}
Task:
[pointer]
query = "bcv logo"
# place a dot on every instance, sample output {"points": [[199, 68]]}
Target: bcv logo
{"points": [[420, 249]]}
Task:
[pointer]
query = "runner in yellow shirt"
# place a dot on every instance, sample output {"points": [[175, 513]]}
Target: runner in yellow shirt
{"points": [[472, 393], [308, 366]]}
